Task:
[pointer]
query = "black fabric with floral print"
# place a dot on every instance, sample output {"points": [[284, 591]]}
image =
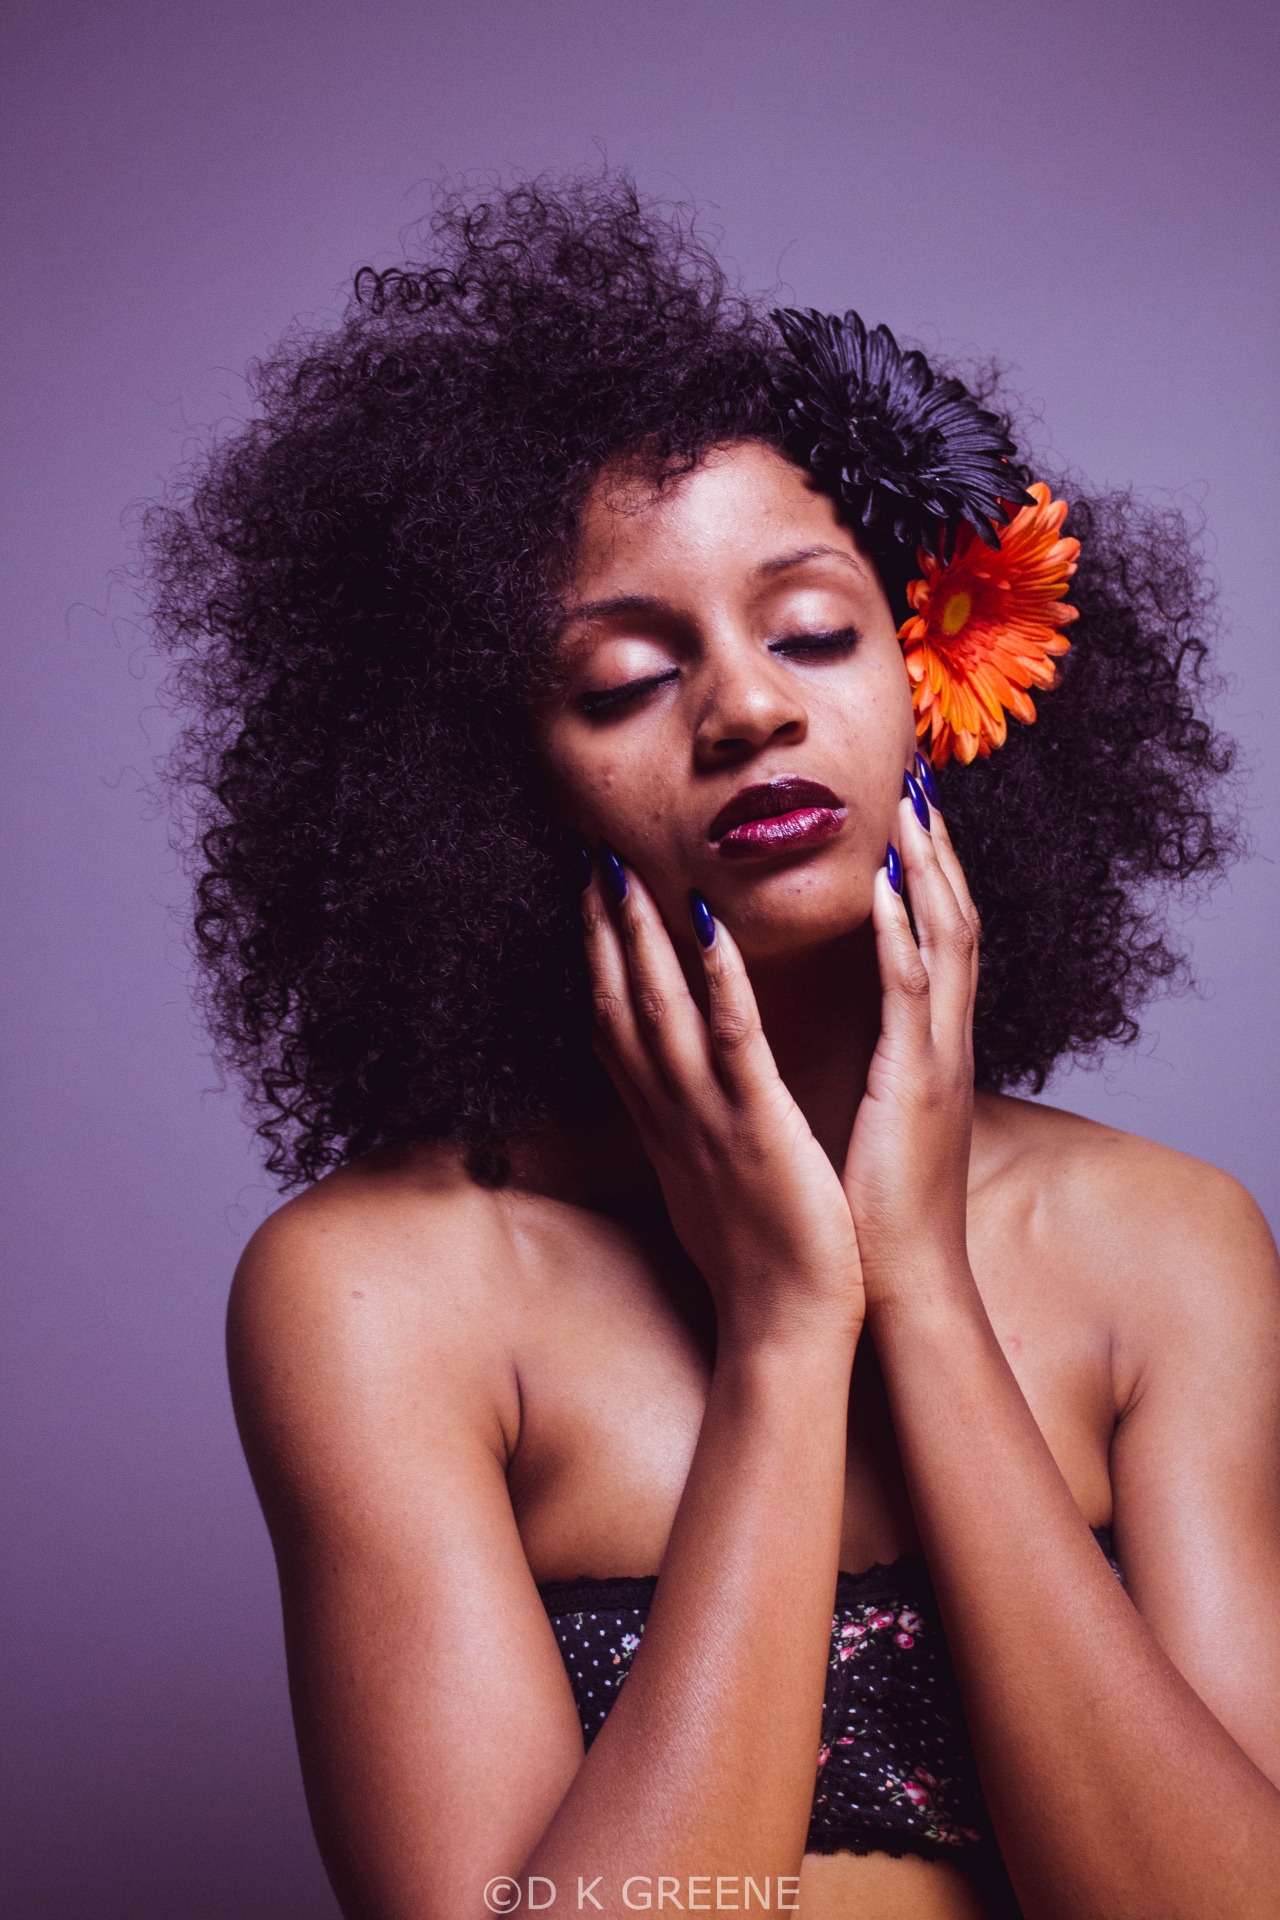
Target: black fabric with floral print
{"points": [[896, 1772]]}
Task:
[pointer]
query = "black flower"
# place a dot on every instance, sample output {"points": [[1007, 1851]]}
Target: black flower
{"points": [[908, 454]]}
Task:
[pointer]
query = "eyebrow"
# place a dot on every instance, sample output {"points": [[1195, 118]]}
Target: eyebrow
{"points": [[620, 604], [801, 554], [625, 603]]}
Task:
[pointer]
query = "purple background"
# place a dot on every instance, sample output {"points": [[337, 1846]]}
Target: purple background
{"points": [[1088, 189]]}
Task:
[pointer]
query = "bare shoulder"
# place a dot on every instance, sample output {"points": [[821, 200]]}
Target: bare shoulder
{"points": [[1166, 1241], [1125, 1193], [381, 1286], [407, 1239], [371, 1356], [398, 1227]]}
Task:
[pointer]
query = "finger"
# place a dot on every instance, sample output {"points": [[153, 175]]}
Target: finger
{"points": [[617, 1035], [665, 1015], [641, 1111], [743, 1059], [950, 864], [945, 938], [904, 979]]}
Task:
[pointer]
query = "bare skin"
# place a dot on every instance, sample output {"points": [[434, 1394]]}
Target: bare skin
{"points": [[972, 1326]]}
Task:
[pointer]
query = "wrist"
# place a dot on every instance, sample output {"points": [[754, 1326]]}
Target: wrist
{"points": [[920, 1286], [788, 1341]]}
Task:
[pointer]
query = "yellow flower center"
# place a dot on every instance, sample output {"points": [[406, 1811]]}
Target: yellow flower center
{"points": [[956, 611]]}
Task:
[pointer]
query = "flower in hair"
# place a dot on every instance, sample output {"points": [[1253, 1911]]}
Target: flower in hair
{"points": [[908, 454], [986, 627]]}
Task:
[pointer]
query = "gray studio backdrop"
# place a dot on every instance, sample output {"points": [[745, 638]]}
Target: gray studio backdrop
{"points": [[1088, 189]]}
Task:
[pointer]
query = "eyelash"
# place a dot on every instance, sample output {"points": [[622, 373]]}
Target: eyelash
{"points": [[610, 698], [838, 641]]}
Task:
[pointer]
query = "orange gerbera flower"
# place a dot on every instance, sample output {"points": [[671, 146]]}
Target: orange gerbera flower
{"points": [[985, 628]]}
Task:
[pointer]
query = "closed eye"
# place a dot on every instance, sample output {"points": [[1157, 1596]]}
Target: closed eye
{"points": [[841, 640], [609, 699]]}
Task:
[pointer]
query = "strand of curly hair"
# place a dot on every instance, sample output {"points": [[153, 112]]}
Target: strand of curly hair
{"points": [[358, 591]]}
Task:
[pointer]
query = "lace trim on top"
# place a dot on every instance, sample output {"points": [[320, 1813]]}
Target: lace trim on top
{"points": [[895, 1771]]}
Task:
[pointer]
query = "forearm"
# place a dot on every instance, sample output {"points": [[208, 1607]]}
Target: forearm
{"points": [[707, 1761], [1113, 1788]]}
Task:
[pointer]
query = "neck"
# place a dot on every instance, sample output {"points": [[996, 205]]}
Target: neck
{"points": [[821, 1015]]}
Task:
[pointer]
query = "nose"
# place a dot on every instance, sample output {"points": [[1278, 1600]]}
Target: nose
{"points": [[751, 702]]}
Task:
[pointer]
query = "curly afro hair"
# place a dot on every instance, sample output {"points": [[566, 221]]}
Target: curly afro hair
{"points": [[358, 590]]}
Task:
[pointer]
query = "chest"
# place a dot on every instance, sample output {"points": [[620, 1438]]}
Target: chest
{"points": [[613, 1350]]}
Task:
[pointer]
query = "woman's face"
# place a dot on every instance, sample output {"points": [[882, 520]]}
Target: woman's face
{"points": [[737, 715]]}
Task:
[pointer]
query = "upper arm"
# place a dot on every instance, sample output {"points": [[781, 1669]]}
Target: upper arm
{"points": [[1196, 1455], [435, 1723]]}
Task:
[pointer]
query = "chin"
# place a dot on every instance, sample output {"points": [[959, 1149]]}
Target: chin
{"points": [[795, 920]]}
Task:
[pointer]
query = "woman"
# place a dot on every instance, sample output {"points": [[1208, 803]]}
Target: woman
{"points": [[558, 1380]]}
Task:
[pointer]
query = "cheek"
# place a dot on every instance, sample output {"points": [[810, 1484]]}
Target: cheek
{"points": [[893, 692], [876, 727], [599, 787]]}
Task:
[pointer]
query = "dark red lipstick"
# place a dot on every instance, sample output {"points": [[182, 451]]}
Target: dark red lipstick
{"points": [[775, 817]]}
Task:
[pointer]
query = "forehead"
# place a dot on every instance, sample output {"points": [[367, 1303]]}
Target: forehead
{"points": [[740, 508]]}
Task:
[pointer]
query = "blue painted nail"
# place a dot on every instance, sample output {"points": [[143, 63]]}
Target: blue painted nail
{"points": [[924, 773], [584, 866], [893, 867], [703, 921], [615, 874], [914, 792]]}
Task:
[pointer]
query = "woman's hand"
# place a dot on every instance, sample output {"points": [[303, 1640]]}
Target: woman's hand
{"points": [[751, 1194], [906, 1173]]}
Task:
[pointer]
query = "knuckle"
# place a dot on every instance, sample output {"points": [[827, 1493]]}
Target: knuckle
{"points": [[651, 1006], [960, 940], [730, 1029], [606, 1008], [914, 980], [949, 938]]}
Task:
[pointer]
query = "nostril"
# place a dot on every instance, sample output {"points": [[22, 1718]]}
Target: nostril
{"points": [[760, 723]]}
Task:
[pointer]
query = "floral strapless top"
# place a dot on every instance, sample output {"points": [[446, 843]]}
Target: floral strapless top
{"points": [[896, 1772]]}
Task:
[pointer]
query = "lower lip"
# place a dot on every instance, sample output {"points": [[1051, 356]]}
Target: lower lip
{"points": [[806, 827]]}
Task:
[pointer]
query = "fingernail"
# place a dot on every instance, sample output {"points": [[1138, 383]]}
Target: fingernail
{"points": [[914, 792], [924, 773], [703, 921], [584, 866], [615, 874], [893, 867]]}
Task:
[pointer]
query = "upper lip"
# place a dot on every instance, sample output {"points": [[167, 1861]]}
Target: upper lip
{"points": [[766, 801]]}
